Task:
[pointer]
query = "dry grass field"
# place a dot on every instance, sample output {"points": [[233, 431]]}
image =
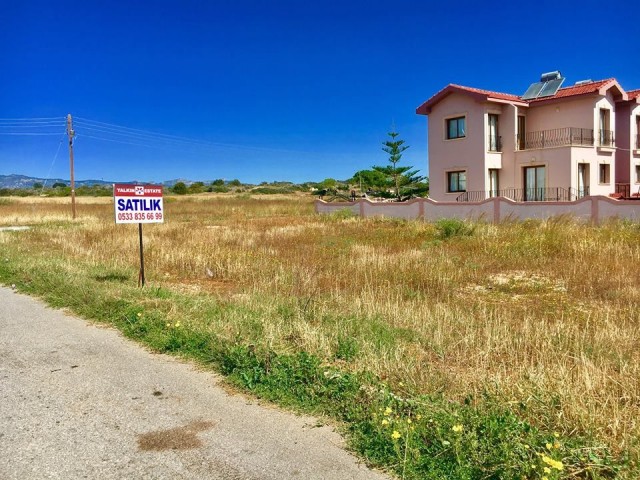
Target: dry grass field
{"points": [[541, 316]]}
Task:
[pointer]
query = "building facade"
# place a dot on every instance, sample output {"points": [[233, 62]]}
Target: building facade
{"points": [[581, 140]]}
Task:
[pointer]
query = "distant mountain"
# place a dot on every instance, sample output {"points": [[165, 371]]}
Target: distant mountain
{"points": [[22, 181]]}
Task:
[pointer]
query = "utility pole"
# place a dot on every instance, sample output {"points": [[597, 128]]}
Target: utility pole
{"points": [[71, 134]]}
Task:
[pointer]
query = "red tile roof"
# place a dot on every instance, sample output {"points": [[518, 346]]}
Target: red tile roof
{"points": [[488, 95], [483, 95], [574, 90], [633, 94]]}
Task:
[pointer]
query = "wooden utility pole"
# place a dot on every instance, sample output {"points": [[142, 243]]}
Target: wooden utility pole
{"points": [[71, 134]]}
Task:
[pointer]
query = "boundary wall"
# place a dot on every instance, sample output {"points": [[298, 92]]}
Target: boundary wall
{"points": [[498, 209]]}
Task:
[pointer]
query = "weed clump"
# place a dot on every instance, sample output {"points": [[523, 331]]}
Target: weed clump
{"points": [[453, 227]]}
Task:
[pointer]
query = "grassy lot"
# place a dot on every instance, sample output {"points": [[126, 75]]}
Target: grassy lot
{"points": [[447, 350]]}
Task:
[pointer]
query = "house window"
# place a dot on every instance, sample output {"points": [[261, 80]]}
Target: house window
{"points": [[606, 135], [456, 182], [637, 173], [456, 128], [494, 185], [637, 142], [604, 172], [494, 137], [521, 132], [534, 184]]}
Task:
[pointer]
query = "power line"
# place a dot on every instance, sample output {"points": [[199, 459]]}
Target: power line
{"points": [[52, 163], [118, 141], [139, 136], [150, 135], [28, 133], [30, 119], [37, 124]]}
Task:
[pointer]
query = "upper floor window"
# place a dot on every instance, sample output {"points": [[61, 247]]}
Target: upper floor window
{"points": [[606, 135], [637, 142], [456, 182], [456, 128], [494, 137]]}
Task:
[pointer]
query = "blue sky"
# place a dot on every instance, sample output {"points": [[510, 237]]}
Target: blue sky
{"points": [[273, 90]]}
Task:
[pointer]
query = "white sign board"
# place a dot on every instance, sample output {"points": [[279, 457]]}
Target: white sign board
{"points": [[138, 203]]}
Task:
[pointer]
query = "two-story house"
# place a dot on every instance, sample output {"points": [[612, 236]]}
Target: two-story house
{"points": [[550, 144]]}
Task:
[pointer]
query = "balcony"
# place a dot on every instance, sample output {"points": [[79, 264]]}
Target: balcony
{"points": [[551, 194], [605, 138], [557, 137], [495, 143]]}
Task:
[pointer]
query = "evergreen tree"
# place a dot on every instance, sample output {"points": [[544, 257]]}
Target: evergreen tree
{"points": [[403, 181]]}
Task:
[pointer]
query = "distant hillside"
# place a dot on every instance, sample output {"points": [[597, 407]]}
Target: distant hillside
{"points": [[22, 181]]}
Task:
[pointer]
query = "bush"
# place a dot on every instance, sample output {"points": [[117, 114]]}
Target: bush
{"points": [[453, 227], [180, 188]]}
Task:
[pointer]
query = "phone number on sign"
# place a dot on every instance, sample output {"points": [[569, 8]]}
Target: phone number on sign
{"points": [[139, 216]]}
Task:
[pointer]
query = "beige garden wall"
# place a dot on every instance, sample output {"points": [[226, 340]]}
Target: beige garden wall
{"points": [[595, 209]]}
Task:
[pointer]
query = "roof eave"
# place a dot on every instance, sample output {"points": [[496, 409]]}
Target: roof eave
{"points": [[426, 107], [519, 103]]}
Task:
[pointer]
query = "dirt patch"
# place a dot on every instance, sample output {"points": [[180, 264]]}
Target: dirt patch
{"points": [[179, 438]]}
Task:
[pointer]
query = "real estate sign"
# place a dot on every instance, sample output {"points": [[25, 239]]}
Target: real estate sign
{"points": [[138, 203]]}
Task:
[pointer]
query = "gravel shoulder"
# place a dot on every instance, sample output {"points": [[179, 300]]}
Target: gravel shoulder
{"points": [[78, 400]]}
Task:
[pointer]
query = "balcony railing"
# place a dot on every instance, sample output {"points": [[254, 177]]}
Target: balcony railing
{"points": [[605, 138], [551, 194], [495, 143], [556, 137]]}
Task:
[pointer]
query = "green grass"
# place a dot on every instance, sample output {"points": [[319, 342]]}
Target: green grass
{"points": [[416, 436]]}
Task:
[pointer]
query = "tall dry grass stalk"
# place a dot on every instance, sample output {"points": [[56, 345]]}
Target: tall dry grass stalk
{"points": [[540, 314]]}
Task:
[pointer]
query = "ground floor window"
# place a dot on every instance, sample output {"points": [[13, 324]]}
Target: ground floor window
{"points": [[605, 171], [637, 173], [457, 181], [494, 186], [534, 184]]}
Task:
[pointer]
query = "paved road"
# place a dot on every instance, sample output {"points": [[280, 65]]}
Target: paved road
{"points": [[79, 401]]}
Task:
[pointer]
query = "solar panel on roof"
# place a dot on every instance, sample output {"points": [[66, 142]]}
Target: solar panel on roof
{"points": [[533, 91], [550, 88]]}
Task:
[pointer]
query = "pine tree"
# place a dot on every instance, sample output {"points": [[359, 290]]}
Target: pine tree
{"points": [[403, 181]]}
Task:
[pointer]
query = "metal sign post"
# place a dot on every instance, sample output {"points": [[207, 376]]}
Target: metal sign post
{"points": [[138, 204], [141, 274]]}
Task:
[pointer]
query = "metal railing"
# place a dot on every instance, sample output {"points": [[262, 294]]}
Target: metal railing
{"points": [[495, 143], [605, 138], [623, 189], [550, 194], [556, 137]]}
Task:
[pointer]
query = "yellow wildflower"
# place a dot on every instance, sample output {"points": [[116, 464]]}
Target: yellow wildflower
{"points": [[177, 324], [139, 314], [547, 470], [388, 411], [548, 445], [395, 435], [385, 422], [545, 478], [408, 420], [556, 434], [418, 417], [556, 445], [168, 325], [457, 428], [553, 463]]}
